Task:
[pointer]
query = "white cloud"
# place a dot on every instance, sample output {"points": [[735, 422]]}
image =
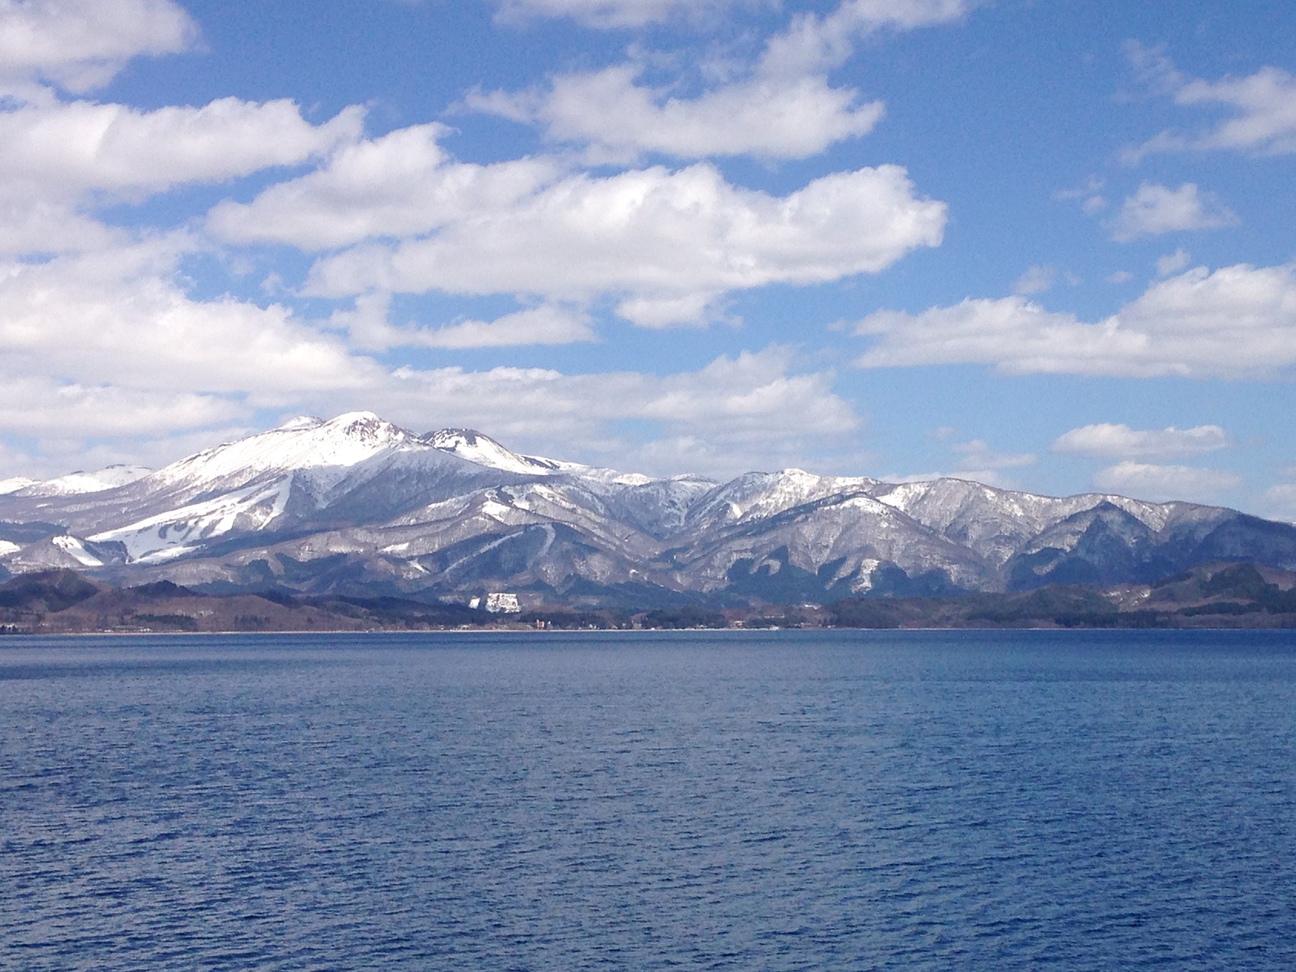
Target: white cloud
{"points": [[57, 160], [136, 355], [1262, 110], [1238, 321], [1280, 501], [737, 412], [370, 330], [1120, 441], [785, 109], [402, 184], [81, 44], [1090, 194], [1156, 209], [814, 43], [67, 149], [147, 361], [977, 462], [1156, 482], [977, 455], [43, 407], [1036, 280], [30, 224], [611, 13], [670, 243], [119, 317], [775, 118], [540, 325], [1173, 262]]}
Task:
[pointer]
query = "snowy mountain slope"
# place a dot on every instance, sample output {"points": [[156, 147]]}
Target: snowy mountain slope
{"points": [[355, 468], [355, 501], [16, 483], [79, 482], [757, 495], [997, 522], [850, 532], [471, 445]]}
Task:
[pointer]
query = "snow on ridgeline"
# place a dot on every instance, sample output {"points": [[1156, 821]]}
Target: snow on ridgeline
{"points": [[302, 443], [481, 449], [16, 483], [388, 498], [76, 483]]}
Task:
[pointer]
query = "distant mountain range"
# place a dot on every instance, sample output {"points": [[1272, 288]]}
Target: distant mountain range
{"points": [[356, 506]]}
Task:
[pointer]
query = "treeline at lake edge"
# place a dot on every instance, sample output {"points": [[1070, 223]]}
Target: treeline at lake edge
{"points": [[1233, 595]]}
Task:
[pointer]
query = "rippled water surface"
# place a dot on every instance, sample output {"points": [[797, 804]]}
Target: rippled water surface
{"points": [[772, 801]]}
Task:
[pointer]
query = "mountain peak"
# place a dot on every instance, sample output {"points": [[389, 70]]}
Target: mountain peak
{"points": [[365, 426], [358, 500]]}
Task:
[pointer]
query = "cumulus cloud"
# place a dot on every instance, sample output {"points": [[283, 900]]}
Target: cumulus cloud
{"points": [[402, 184], [1121, 442], [119, 316], [82, 44], [671, 243], [1156, 209], [774, 118], [785, 108], [136, 355], [57, 160], [813, 43], [1235, 322], [70, 148], [1159, 482], [734, 414], [1260, 108], [141, 358], [30, 224]]}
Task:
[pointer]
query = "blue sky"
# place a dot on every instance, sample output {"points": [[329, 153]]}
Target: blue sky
{"points": [[1045, 245]]}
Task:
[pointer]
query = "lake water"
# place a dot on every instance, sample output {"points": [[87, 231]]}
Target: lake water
{"points": [[763, 801]]}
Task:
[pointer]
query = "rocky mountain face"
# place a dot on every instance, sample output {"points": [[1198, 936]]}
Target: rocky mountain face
{"points": [[356, 505]]}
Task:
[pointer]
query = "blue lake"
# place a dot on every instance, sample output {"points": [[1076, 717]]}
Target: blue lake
{"points": [[761, 801]]}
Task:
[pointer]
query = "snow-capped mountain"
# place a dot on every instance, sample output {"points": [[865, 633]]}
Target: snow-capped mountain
{"points": [[359, 504]]}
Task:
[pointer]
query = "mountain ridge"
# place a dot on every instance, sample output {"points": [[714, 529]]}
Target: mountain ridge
{"points": [[355, 504]]}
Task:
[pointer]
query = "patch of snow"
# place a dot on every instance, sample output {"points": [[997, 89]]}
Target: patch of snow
{"points": [[8, 547], [176, 532], [494, 509], [74, 548]]}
